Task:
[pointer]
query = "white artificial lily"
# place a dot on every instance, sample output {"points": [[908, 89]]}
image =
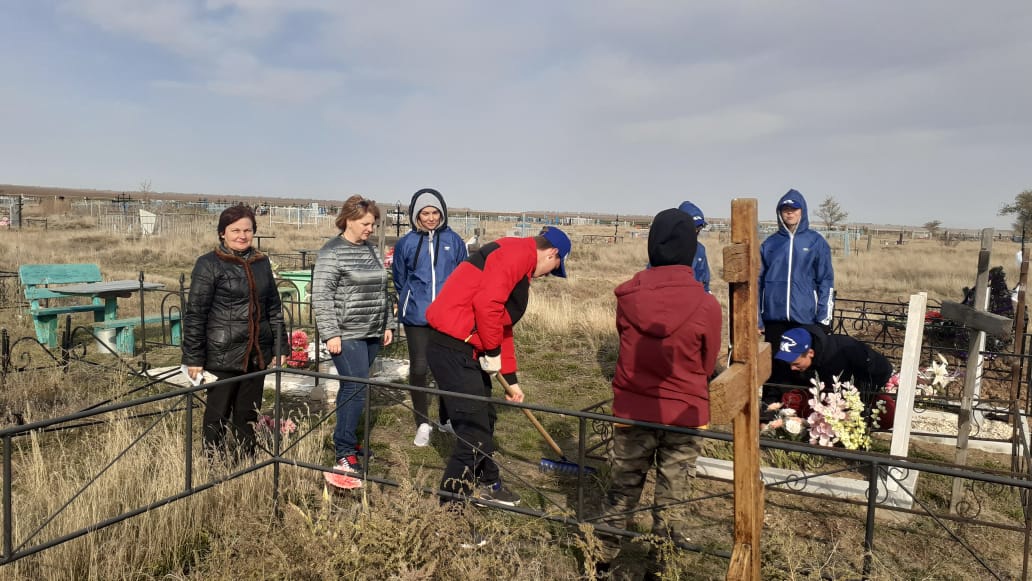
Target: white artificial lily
{"points": [[938, 374]]}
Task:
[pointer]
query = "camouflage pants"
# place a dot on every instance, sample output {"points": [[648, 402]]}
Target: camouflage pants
{"points": [[633, 451]]}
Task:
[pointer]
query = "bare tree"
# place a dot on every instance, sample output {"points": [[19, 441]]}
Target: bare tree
{"points": [[933, 227], [831, 213]]}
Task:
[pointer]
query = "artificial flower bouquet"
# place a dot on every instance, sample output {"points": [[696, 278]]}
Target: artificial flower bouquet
{"points": [[930, 380], [786, 425], [837, 417], [834, 417], [266, 424], [299, 357]]}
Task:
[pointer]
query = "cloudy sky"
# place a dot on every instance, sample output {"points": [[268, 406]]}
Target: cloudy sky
{"points": [[904, 112]]}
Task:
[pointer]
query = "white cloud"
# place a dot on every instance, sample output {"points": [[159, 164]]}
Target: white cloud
{"points": [[541, 103], [282, 85]]}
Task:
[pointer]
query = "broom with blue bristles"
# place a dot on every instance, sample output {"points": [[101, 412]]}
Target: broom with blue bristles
{"points": [[563, 464]]}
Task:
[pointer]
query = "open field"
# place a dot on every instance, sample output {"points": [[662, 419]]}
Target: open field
{"points": [[567, 349]]}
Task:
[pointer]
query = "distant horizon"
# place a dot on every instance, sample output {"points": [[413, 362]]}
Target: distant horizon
{"points": [[31, 190]]}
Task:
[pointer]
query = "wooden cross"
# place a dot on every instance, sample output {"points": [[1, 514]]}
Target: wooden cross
{"points": [[977, 318], [734, 394]]}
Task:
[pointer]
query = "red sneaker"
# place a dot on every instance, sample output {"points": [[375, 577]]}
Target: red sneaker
{"points": [[342, 481]]}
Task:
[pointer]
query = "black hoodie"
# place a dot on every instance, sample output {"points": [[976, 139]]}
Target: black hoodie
{"points": [[672, 239], [848, 359]]}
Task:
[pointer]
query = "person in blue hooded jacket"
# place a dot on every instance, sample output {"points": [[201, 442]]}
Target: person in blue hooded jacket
{"points": [[423, 259], [700, 265], [796, 276]]}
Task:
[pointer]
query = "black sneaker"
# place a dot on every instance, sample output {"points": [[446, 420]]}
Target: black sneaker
{"points": [[498, 493]]}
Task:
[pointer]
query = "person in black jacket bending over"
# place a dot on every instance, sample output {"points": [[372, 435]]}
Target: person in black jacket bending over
{"points": [[812, 353], [229, 326]]}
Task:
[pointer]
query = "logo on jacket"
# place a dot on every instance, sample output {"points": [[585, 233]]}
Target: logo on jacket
{"points": [[806, 248], [447, 247]]}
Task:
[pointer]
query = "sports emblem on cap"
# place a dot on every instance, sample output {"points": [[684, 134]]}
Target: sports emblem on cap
{"points": [[787, 343]]}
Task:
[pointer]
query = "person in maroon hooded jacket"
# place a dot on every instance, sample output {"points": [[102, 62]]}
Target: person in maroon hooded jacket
{"points": [[670, 330]]}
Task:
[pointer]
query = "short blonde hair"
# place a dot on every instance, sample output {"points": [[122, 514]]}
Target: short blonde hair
{"points": [[355, 208]]}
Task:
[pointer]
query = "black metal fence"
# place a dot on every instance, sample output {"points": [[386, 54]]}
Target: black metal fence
{"points": [[881, 473], [879, 323]]}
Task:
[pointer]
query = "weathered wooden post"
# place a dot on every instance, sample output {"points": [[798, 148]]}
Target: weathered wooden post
{"points": [[982, 322], [734, 394], [1019, 351]]}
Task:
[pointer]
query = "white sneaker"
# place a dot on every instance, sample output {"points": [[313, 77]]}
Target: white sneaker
{"points": [[422, 435], [447, 428], [476, 541]]}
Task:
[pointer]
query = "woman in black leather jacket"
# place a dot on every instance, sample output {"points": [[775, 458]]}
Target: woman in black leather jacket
{"points": [[232, 313]]}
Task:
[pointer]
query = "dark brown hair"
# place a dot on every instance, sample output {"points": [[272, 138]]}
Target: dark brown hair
{"points": [[355, 208], [234, 213], [541, 242]]}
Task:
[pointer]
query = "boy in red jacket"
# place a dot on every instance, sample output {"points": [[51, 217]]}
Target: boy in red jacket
{"points": [[471, 338], [670, 330]]}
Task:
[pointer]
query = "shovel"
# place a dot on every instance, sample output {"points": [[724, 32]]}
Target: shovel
{"points": [[563, 464]]}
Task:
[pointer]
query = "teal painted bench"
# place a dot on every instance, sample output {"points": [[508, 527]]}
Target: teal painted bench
{"points": [[37, 277], [125, 330]]}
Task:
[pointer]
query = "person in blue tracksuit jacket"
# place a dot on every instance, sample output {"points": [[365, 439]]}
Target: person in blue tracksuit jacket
{"points": [[700, 266], [423, 259], [797, 282]]}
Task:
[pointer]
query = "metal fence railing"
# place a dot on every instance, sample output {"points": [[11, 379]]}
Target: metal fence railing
{"points": [[882, 475]]}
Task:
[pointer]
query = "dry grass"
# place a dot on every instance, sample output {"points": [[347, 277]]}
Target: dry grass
{"points": [[567, 349]]}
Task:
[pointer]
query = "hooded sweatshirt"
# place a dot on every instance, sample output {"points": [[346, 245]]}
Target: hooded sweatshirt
{"points": [[670, 330], [796, 276], [701, 264], [424, 259]]}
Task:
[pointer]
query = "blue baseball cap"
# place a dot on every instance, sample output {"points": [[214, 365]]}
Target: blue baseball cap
{"points": [[794, 342], [791, 204], [561, 242]]}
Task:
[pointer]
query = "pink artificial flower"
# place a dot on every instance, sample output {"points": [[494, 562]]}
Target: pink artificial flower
{"points": [[299, 340], [287, 426], [297, 359], [892, 386]]}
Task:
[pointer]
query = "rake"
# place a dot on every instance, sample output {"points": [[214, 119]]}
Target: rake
{"points": [[563, 464]]}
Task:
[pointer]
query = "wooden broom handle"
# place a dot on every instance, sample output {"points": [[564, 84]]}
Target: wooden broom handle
{"points": [[530, 416]]}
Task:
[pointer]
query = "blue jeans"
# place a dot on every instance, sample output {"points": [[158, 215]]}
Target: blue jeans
{"points": [[354, 360]]}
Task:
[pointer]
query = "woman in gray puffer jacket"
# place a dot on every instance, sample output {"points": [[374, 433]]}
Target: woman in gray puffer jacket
{"points": [[232, 313], [355, 315]]}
